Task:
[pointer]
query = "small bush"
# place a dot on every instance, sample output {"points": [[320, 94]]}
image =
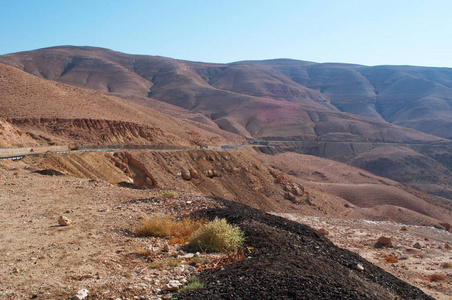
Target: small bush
{"points": [[167, 263], [193, 284], [216, 236], [179, 230], [169, 194]]}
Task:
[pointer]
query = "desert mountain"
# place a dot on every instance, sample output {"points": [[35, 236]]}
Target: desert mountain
{"points": [[349, 113], [97, 96], [58, 113], [280, 99]]}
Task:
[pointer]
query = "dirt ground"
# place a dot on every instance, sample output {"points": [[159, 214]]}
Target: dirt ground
{"points": [[41, 260]]}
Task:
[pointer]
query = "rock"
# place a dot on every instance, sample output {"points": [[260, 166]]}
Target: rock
{"points": [[186, 174], [172, 285], [348, 205], [294, 188], [383, 242], [64, 221], [82, 294], [290, 196], [208, 173], [404, 228], [323, 231], [359, 267], [194, 174], [166, 248], [417, 245], [149, 181], [446, 246]]}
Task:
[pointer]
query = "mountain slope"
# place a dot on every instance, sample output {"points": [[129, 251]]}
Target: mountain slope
{"points": [[60, 109], [239, 97], [337, 111]]}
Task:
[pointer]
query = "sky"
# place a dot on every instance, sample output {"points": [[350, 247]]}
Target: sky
{"points": [[377, 32]]}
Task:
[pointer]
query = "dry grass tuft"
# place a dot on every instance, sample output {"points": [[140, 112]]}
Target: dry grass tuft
{"points": [[166, 263], [179, 230], [217, 236], [169, 194]]}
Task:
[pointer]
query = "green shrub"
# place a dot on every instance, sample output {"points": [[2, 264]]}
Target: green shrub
{"points": [[216, 236], [193, 284]]}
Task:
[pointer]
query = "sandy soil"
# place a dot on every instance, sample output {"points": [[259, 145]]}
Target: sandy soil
{"points": [[40, 259]]}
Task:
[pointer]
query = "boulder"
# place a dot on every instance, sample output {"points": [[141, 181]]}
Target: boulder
{"points": [[194, 174], [290, 196], [186, 174], [417, 245], [383, 242], [64, 221]]}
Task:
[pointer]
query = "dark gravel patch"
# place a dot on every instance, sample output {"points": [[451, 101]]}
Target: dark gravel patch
{"points": [[130, 185], [293, 261], [49, 172]]}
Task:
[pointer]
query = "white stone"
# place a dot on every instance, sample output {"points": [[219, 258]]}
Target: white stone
{"points": [[82, 294], [172, 285]]}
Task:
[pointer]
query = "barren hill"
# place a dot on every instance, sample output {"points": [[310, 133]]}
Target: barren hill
{"points": [[256, 99], [59, 113], [337, 111]]}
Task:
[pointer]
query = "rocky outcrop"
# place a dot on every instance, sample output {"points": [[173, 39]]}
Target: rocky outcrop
{"points": [[11, 136], [92, 130], [149, 180]]}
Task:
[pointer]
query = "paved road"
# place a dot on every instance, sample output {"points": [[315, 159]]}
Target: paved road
{"points": [[19, 153]]}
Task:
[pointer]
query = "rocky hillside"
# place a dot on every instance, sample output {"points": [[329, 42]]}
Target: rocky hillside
{"points": [[58, 113], [258, 99], [337, 190], [349, 113]]}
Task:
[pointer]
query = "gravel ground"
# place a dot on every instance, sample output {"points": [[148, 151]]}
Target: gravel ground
{"points": [[292, 261]]}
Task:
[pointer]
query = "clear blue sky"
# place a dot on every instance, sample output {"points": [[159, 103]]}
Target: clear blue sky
{"points": [[366, 32]]}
